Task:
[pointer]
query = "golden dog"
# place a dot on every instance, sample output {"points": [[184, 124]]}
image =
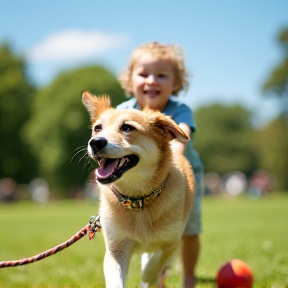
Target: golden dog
{"points": [[145, 192]]}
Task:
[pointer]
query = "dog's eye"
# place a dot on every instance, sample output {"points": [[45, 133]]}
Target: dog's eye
{"points": [[127, 128], [98, 128]]}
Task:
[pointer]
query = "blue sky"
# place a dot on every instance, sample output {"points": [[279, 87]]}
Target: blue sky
{"points": [[230, 45]]}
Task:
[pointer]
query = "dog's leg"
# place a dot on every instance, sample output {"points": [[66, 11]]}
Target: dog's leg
{"points": [[154, 263], [116, 263], [147, 258], [144, 260]]}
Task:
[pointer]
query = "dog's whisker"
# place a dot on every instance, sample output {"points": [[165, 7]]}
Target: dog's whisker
{"points": [[83, 149], [84, 166], [85, 155], [88, 163], [80, 147], [86, 160]]}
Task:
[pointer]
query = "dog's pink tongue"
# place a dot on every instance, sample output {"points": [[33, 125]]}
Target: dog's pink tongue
{"points": [[107, 170]]}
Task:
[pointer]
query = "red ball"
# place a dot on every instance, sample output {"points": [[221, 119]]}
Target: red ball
{"points": [[235, 274]]}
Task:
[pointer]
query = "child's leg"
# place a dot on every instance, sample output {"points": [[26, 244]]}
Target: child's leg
{"points": [[191, 238], [190, 253]]}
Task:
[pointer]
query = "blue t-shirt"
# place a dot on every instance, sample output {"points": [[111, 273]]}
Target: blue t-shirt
{"points": [[180, 113]]}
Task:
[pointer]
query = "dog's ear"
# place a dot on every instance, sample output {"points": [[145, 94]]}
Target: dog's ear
{"points": [[169, 126], [95, 105]]}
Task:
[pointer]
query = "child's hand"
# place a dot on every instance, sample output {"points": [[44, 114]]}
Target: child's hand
{"points": [[177, 146]]}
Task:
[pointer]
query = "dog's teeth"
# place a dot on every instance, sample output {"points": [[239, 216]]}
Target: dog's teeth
{"points": [[101, 161], [122, 161], [127, 159]]}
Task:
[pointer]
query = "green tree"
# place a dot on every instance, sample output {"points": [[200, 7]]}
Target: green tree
{"points": [[223, 139], [277, 82], [16, 91], [272, 151], [60, 124]]}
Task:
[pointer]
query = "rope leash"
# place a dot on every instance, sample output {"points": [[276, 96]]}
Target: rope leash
{"points": [[91, 228]]}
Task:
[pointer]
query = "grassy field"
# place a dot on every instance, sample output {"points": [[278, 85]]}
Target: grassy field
{"points": [[255, 231]]}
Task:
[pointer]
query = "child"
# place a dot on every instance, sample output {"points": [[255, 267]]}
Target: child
{"points": [[154, 73]]}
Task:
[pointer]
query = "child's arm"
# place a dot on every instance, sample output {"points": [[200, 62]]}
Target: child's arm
{"points": [[178, 147]]}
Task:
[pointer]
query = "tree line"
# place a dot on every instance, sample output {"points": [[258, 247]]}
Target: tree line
{"points": [[44, 131]]}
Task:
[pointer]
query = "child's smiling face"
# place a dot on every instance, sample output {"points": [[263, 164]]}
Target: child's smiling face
{"points": [[153, 81]]}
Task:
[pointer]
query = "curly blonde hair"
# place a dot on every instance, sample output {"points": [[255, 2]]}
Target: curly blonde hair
{"points": [[171, 52]]}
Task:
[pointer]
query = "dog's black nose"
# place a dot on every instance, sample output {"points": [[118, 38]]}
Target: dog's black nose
{"points": [[98, 143]]}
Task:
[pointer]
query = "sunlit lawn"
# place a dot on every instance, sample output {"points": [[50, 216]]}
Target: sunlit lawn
{"points": [[255, 231]]}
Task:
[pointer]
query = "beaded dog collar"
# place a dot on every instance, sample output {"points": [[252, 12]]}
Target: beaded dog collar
{"points": [[137, 203]]}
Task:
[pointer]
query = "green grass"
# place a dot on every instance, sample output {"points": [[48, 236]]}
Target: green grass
{"points": [[255, 231]]}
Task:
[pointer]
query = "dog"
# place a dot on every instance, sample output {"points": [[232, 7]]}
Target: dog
{"points": [[145, 191]]}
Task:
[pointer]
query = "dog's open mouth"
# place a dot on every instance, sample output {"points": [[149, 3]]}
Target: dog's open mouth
{"points": [[111, 169]]}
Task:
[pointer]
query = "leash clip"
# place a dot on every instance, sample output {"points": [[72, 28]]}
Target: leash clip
{"points": [[94, 226]]}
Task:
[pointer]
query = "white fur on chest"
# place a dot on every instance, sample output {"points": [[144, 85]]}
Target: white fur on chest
{"points": [[142, 227]]}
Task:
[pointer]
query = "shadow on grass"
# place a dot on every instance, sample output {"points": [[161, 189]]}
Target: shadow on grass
{"points": [[205, 280]]}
